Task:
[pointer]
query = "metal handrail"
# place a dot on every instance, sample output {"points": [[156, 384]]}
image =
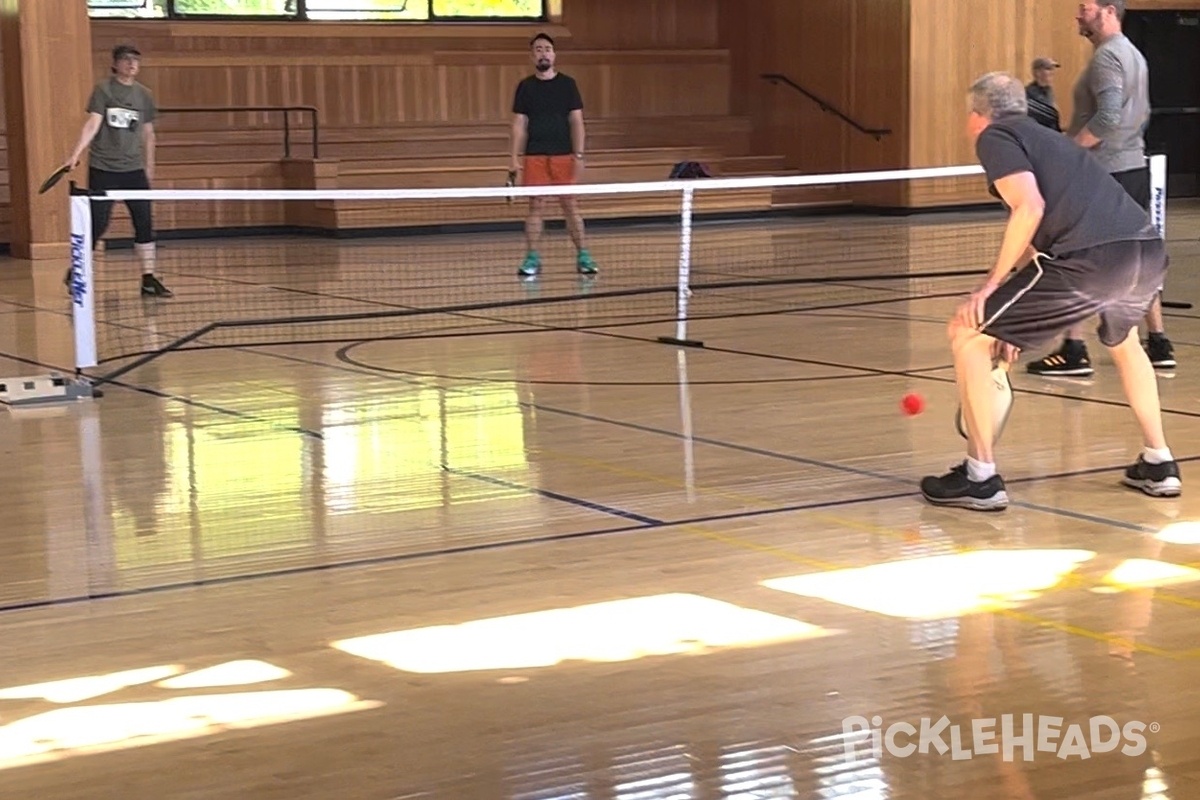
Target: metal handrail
{"points": [[777, 78], [287, 128]]}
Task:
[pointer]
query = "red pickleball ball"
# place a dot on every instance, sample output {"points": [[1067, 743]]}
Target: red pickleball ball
{"points": [[912, 404]]}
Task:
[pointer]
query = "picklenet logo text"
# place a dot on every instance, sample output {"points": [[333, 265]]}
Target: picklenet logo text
{"points": [[1028, 733]]}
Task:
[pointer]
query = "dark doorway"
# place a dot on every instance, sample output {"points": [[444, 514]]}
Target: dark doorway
{"points": [[1170, 41]]}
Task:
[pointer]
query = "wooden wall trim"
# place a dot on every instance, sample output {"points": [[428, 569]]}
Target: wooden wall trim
{"points": [[1163, 5], [470, 58]]}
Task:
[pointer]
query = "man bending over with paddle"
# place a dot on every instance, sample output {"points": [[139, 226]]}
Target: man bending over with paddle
{"points": [[120, 132], [1087, 249]]}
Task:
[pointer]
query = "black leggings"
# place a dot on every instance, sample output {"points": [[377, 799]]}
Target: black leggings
{"points": [[139, 210]]}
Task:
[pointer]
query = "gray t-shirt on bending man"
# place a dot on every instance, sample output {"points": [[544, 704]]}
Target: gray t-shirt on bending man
{"points": [[1112, 99], [123, 110]]}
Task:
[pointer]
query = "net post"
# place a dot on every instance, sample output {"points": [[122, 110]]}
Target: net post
{"points": [[683, 292], [1158, 193], [685, 419], [82, 281], [1158, 207]]}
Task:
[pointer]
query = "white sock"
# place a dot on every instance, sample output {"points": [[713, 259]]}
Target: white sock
{"points": [[979, 471], [1153, 456], [148, 253]]}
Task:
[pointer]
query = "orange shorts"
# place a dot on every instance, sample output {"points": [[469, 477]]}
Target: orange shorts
{"points": [[548, 171]]}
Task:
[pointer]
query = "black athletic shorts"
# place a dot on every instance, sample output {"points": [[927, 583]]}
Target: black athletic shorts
{"points": [[1118, 281], [139, 210]]}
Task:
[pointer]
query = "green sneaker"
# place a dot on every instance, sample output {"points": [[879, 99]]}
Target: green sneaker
{"points": [[532, 264], [585, 264]]}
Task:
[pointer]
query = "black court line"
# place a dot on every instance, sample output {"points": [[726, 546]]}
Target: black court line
{"points": [[372, 370], [644, 522], [785, 456], [397, 558], [796, 459], [897, 373], [175, 398], [562, 498]]}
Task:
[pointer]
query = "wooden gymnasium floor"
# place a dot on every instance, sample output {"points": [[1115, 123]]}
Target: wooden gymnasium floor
{"points": [[576, 564]]}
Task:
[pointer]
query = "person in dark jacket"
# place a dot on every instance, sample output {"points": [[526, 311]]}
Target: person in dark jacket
{"points": [[1040, 94]]}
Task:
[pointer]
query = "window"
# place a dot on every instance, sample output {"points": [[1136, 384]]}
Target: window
{"points": [[396, 10], [524, 9], [229, 8], [367, 9], [130, 9]]}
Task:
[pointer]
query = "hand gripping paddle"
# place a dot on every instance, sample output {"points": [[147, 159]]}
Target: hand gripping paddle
{"points": [[53, 180]]}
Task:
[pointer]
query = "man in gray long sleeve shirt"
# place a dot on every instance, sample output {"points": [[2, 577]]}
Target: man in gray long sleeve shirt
{"points": [[1112, 111]]}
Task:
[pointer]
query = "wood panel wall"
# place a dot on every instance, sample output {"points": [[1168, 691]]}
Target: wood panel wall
{"points": [[1163, 5], [850, 53], [37, 51], [899, 64], [951, 45], [633, 24], [954, 43], [631, 58]]}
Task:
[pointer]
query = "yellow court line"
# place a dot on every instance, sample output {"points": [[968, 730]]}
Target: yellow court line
{"points": [[1068, 581]]}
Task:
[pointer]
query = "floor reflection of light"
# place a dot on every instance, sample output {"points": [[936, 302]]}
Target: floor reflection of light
{"points": [[234, 673], [660, 774], [757, 773], [1143, 573], [75, 730], [941, 586], [1186, 533], [73, 690], [846, 767], [620, 630], [1154, 784]]}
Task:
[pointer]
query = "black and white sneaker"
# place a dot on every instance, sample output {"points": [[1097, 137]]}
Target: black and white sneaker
{"points": [[1160, 351], [956, 489], [1156, 480], [153, 287]]}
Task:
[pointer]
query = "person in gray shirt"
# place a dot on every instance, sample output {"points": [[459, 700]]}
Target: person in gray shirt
{"points": [[1112, 111], [119, 137]]}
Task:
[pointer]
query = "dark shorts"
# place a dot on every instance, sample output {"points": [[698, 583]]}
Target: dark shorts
{"points": [[1118, 281], [139, 210]]}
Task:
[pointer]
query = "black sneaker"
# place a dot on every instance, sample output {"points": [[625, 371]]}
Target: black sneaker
{"points": [[152, 287], [1070, 360], [956, 489], [1162, 354], [1156, 480]]}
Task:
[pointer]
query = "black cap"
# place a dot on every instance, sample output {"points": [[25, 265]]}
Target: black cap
{"points": [[122, 50]]}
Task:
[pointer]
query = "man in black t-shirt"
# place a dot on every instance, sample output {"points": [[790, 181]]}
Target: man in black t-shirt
{"points": [[1087, 248], [547, 149]]}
